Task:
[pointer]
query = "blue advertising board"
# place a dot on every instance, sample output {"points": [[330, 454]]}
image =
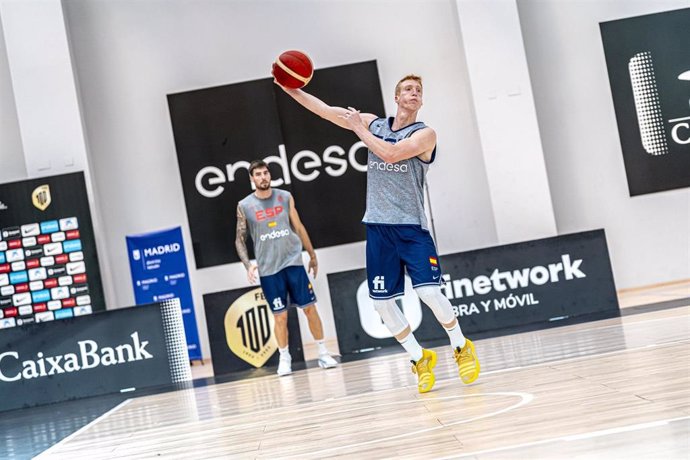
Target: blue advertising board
{"points": [[159, 272]]}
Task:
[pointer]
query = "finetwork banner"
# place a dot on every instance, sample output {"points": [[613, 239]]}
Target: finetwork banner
{"points": [[158, 265], [514, 285], [219, 131], [649, 73]]}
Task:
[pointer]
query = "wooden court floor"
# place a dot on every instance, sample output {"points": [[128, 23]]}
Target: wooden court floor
{"points": [[616, 388]]}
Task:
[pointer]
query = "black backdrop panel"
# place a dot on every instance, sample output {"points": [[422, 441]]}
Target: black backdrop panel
{"points": [[498, 287], [68, 199], [219, 130], [249, 327], [103, 353], [649, 73]]}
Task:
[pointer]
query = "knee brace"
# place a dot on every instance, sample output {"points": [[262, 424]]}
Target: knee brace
{"points": [[391, 315], [439, 303]]}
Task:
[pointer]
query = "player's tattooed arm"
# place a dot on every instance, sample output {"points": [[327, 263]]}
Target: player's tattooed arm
{"points": [[241, 238]]}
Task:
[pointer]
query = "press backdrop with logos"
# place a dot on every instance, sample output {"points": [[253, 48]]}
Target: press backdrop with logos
{"points": [[48, 261]]}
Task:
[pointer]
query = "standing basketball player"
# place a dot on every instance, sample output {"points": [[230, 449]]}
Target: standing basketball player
{"points": [[400, 152], [278, 236]]}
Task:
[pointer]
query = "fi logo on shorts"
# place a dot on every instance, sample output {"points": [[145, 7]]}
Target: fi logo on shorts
{"points": [[379, 284], [249, 328]]}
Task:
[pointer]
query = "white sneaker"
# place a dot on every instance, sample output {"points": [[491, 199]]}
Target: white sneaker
{"points": [[285, 365], [326, 361]]}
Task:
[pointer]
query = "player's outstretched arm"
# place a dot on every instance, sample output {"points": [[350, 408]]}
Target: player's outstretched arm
{"points": [[241, 245], [327, 112], [301, 231]]}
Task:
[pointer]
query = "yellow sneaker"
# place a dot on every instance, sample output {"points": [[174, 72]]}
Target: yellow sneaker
{"points": [[424, 370], [467, 361]]}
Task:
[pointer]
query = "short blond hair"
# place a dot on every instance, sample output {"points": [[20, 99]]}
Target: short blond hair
{"points": [[411, 76]]}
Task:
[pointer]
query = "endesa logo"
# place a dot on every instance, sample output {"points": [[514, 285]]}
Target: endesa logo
{"points": [[305, 166], [270, 213], [275, 234], [389, 167]]}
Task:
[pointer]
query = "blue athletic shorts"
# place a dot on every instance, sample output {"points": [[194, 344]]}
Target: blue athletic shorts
{"points": [[393, 248], [290, 286]]}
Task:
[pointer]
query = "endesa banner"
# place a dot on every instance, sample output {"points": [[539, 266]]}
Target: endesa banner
{"points": [[219, 131], [240, 331], [520, 284], [107, 352], [158, 265], [649, 73]]}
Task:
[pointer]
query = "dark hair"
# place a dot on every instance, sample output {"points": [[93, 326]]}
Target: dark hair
{"points": [[257, 164]]}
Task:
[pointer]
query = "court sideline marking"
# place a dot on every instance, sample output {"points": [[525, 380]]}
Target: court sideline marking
{"points": [[574, 437], [84, 428]]}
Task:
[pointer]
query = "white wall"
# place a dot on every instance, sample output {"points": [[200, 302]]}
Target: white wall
{"points": [[12, 165], [507, 120], [129, 55], [648, 235]]}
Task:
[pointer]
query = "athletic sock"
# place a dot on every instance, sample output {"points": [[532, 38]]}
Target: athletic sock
{"points": [[412, 347], [322, 347], [284, 351], [456, 337]]}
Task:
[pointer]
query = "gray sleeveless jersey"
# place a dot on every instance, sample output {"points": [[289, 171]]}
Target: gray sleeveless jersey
{"points": [[276, 245], [395, 191]]}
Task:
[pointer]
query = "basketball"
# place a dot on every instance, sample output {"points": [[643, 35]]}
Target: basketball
{"points": [[293, 69]]}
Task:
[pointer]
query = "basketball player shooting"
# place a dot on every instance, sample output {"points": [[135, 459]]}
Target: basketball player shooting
{"points": [[401, 149], [278, 235]]}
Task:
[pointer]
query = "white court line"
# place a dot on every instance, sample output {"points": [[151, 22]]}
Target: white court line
{"points": [[580, 358], [526, 398], [82, 429], [305, 407], [577, 437], [373, 393]]}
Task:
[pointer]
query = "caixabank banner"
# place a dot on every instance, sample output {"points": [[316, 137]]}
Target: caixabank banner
{"points": [[48, 261], [107, 352], [240, 331], [219, 131], [649, 73], [514, 285]]}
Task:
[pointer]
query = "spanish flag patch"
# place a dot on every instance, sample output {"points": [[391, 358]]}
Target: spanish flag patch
{"points": [[433, 261], [272, 224]]}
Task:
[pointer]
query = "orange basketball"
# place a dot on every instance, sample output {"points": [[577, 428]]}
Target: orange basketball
{"points": [[293, 69]]}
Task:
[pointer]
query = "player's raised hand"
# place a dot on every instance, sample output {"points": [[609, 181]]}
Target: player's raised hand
{"points": [[352, 117]]}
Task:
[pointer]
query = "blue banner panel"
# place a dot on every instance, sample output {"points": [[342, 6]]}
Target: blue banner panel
{"points": [[159, 272]]}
